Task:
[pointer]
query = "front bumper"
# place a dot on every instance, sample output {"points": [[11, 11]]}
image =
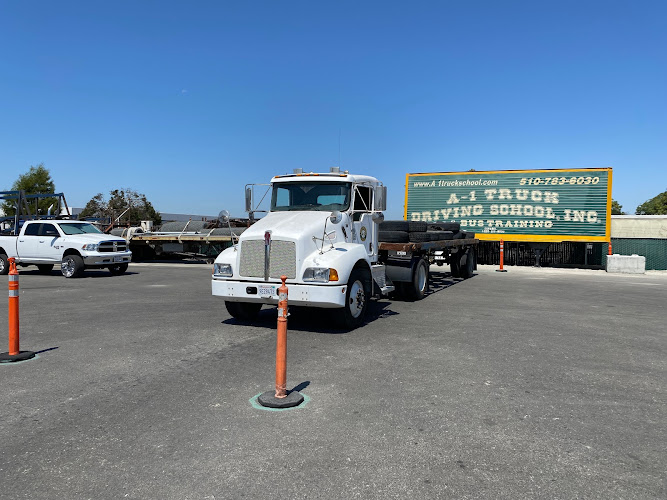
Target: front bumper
{"points": [[328, 296], [107, 258]]}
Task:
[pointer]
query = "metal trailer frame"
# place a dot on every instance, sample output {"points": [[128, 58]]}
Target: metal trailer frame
{"points": [[22, 207]]}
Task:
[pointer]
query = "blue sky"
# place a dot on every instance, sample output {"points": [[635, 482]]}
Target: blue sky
{"points": [[189, 101]]}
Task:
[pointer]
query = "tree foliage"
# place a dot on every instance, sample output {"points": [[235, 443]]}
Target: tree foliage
{"points": [[616, 208], [37, 180], [654, 206], [126, 204]]}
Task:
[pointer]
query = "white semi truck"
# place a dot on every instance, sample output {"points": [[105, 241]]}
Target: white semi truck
{"points": [[322, 233]]}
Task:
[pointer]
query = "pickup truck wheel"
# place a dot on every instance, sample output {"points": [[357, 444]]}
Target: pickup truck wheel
{"points": [[45, 268], [244, 311], [356, 299], [118, 269], [467, 264], [4, 264], [71, 266], [416, 289]]}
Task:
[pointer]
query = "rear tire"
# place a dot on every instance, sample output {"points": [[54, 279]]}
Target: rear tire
{"points": [[244, 311], [356, 299], [467, 264], [45, 268], [118, 269], [4, 264], [417, 288], [72, 266], [454, 265]]}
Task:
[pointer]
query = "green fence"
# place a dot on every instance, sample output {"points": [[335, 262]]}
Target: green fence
{"points": [[654, 249]]}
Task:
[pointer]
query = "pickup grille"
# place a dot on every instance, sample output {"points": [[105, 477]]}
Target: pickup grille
{"points": [[282, 259], [113, 246]]}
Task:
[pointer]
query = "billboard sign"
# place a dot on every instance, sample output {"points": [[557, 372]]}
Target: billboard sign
{"points": [[516, 205]]}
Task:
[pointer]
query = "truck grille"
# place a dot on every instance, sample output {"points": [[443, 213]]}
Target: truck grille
{"points": [[113, 246], [282, 261]]}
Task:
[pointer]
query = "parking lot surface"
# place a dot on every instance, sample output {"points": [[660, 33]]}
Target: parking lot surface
{"points": [[533, 383]]}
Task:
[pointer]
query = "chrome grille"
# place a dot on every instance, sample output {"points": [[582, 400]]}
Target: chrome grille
{"points": [[113, 246], [282, 259]]}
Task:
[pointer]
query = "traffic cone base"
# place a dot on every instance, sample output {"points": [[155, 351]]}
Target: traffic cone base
{"points": [[270, 400], [5, 357]]}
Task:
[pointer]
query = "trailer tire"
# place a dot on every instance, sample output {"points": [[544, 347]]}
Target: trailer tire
{"points": [[467, 264], [394, 225], [245, 311], [454, 265], [393, 236], [118, 269], [72, 266], [4, 264], [417, 226], [445, 226], [356, 299], [45, 268], [417, 288]]}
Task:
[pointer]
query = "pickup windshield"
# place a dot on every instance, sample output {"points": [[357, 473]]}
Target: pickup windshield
{"points": [[322, 196], [78, 228]]}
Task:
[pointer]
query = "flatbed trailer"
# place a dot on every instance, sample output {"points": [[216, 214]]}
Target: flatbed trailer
{"points": [[185, 244], [407, 264]]}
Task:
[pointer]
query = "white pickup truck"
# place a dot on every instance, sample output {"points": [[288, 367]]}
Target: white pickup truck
{"points": [[74, 245], [323, 233]]}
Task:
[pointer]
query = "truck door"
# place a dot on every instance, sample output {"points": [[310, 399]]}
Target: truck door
{"points": [[48, 238], [28, 242], [363, 225]]}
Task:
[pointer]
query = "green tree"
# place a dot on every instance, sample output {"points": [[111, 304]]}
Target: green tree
{"points": [[616, 208], [37, 180], [125, 204], [654, 206]]}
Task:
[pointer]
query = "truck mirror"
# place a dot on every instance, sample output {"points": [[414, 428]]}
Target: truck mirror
{"points": [[377, 217], [381, 198], [248, 199], [223, 216], [335, 217]]}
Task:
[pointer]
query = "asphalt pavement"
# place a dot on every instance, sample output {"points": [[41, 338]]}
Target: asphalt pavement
{"points": [[535, 383]]}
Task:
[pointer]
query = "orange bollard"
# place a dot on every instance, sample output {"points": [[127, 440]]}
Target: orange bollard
{"points": [[280, 398], [13, 308], [281, 344], [609, 248], [502, 257], [14, 353]]}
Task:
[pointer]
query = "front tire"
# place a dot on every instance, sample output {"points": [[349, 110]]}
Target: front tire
{"points": [[118, 269], [356, 299], [71, 266], [4, 264], [244, 311]]}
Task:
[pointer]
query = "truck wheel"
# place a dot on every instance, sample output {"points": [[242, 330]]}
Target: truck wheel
{"points": [[416, 289], [356, 299], [467, 264], [4, 264], [44, 268], [245, 311], [71, 266], [118, 269], [454, 268]]}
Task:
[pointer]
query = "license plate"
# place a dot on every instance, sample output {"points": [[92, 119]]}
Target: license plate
{"points": [[118, 259], [266, 290]]}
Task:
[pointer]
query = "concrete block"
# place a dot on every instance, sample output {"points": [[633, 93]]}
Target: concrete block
{"points": [[626, 264]]}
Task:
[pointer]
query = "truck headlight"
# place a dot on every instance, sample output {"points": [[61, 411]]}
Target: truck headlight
{"points": [[91, 247], [320, 274], [222, 270]]}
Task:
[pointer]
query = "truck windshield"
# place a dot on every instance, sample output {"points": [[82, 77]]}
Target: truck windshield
{"points": [[78, 228], [322, 196]]}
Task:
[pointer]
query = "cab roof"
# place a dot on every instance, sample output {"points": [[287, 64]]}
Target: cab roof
{"points": [[326, 177]]}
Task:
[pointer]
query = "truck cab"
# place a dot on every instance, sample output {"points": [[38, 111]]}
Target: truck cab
{"points": [[321, 232]]}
